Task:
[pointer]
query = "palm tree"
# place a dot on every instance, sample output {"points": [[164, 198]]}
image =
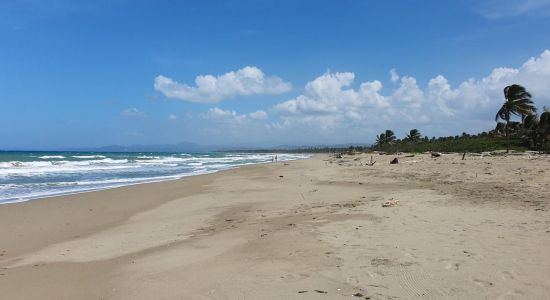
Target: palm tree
{"points": [[499, 129], [530, 129], [518, 102], [390, 137], [544, 127], [531, 122], [381, 139], [414, 135]]}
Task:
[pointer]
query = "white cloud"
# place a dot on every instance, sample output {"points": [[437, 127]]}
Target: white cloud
{"points": [[330, 102], [132, 112], [333, 108], [172, 117], [231, 116], [408, 94], [330, 94], [394, 77], [212, 89], [258, 115], [219, 114]]}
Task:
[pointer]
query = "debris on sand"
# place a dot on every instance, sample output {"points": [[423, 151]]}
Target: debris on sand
{"points": [[357, 295], [390, 202], [394, 161], [371, 163], [436, 154], [321, 292]]}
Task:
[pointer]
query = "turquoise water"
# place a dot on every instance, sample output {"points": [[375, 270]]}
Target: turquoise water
{"points": [[31, 175]]}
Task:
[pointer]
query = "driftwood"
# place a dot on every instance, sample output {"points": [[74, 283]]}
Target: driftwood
{"points": [[464, 155], [371, 163], [394, 161], [390, 202]]}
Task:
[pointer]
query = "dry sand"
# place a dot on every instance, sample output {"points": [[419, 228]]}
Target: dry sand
{"points": [[311, 229]]}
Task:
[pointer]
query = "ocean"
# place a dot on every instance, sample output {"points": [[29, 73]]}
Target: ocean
{"points": [[32, 175]]}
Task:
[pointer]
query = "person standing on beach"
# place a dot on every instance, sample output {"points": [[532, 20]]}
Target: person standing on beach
{"points": [[275, 158]]}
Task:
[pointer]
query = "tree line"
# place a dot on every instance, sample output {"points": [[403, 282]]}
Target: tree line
{"points": [[532, 132]]}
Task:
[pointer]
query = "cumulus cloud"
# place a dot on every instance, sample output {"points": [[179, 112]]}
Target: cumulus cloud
{"points": [[132, 112], [330, 101], [224, 115], [332, 92], [231, 116], [258, 115], [212, 89]]}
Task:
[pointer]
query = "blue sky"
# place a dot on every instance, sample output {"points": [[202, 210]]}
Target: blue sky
{"points": [[261, 72]]}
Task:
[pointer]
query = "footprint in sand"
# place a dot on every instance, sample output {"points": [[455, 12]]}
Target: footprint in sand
{"points": [[507, 275], [294, 277], [482, 283], [515, 294], [450, 264], [353, 280]]}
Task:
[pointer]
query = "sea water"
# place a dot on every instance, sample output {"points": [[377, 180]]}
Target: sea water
{"points": [[31, 175]]}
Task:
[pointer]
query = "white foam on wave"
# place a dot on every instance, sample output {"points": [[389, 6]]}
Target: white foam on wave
{"points": [[52, 157], [37, 182], [89, 186], [31, 168], [88, 156], [162, 160]]}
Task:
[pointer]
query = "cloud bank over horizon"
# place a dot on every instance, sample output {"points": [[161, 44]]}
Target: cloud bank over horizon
{"points": [[213, 89], [330, 101], [332, 108]]}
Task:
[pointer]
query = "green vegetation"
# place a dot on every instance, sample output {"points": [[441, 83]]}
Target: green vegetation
{"points": [[531, 133], [463, 143]]}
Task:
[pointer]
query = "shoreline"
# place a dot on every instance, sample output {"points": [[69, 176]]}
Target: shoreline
{"points": [[301, 229], [115, 187], [62, 201], [130, 183]]}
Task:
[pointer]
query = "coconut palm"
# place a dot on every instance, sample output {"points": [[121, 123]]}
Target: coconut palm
{"points": [[390, 137], [530, 130], [544, 127], [518, 102], [381, 139], [414, 135], [531, 122], [499, 129]]}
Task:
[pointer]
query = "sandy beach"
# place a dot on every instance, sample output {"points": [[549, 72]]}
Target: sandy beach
{"points": [[477, 228]]}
